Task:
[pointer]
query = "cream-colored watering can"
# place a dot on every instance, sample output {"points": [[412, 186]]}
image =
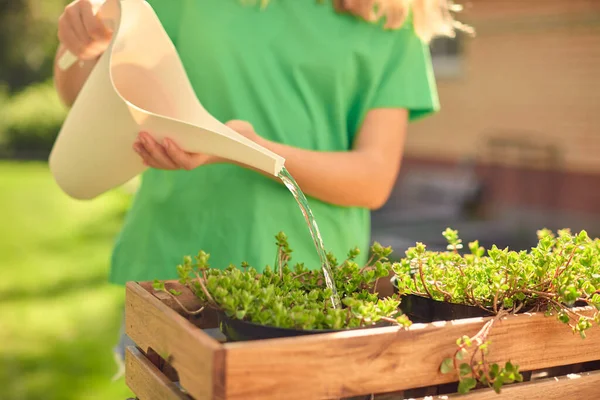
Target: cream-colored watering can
{"points": [[138, 84]]}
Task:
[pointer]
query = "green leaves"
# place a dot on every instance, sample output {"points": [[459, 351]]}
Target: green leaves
{"points": [[294, 297], [562, 270], [379, 252], [404, 321], [447, 366], [465, 385], [158, 285], [497, 385], [454, 242], [583, 324], [563, 317], [595, 300], [509, 374], [464, 369], [352, 254], [202, 260]]}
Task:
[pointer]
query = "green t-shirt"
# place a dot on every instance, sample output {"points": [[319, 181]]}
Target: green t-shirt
{"points": [[303, 75]]}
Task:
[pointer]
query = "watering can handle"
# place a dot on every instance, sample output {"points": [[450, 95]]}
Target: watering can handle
{"points": [[67, 59]]}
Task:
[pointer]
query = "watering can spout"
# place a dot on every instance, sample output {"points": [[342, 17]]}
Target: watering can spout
{"points": [[260, 158], [245, 151], [138, 84]]}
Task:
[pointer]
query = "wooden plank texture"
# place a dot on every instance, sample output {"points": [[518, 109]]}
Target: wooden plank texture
{"points": [[198, 359], [187, 297], [576, 386], [146, 381], [391, 359]]}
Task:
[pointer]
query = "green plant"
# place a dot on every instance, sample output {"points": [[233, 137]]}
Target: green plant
{"points": [[562, 271], [470, 364], [289, 296]]}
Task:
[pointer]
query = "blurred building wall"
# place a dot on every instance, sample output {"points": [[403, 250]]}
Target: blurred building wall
{"points": [[522, 99]]}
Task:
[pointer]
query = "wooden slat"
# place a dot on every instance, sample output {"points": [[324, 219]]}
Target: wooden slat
{"points": [[576, 386], [391, 359], [187, 297], [198, 358], [146, 381], [207, 319]]}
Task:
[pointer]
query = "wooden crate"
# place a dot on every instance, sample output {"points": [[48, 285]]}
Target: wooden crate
{"points": [[175, 351]]}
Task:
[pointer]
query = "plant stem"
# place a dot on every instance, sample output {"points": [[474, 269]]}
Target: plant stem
{"points": [[471, 296], [370, 261], [560, 270], [518, 308], [391, 320], [447, 296], [365, 268], [302, 274], [496, 301], [541, 294], [204, 289], [568, 310], [459, 267], [423, 278], [181, 304], [348, 316]]}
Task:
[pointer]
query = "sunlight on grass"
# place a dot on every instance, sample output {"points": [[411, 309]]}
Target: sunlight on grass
{"points": [[60, 318]]}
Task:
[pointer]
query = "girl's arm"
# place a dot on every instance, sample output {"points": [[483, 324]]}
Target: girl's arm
{"points": [[68, 83], [361, 177], [81, 32]]}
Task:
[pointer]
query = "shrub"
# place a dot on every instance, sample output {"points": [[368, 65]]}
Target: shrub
{"points": [[31, 120]]}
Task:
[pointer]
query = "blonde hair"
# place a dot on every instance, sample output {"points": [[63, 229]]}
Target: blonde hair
{"points": [[430, 18]]}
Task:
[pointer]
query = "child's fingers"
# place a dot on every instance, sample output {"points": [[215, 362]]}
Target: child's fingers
{"points": [[73, 18], [146, 158], [157, 152], [180, 158], [93, 24]]}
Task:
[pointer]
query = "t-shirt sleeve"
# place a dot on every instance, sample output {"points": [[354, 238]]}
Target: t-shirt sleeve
{"points": [[407, 80], [169, 14]]}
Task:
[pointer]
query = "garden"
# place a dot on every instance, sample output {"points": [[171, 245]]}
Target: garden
{"points": [[60, 317]]}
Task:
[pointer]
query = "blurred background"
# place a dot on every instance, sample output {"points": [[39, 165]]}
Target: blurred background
{"points": [[515, 149], [59, 319], [516, 146]]}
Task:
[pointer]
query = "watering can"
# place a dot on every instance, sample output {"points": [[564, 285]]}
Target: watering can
{"points": [[138, 84]]}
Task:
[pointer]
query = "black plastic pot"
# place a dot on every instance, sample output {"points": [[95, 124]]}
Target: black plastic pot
{"points": [[425, 310], [236, 330]]}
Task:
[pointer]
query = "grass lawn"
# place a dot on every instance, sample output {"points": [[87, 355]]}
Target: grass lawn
{"points": [[58, 317]]}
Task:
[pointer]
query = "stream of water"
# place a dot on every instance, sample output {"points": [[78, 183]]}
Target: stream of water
{"points": [[291, 184]]}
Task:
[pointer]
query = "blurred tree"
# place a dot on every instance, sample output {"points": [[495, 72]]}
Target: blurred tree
{"points": [[27, 41]]}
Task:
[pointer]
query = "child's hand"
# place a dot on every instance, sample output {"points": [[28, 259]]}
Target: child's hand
{"points": [[169, 156]]}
